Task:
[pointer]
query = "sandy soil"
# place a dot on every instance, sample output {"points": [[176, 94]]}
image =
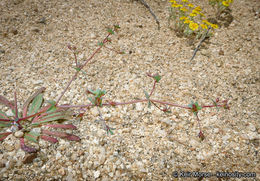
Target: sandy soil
{"points": [[147, 144]]}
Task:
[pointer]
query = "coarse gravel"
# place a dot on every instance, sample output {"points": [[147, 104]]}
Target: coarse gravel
{"points": [[147, 144]]}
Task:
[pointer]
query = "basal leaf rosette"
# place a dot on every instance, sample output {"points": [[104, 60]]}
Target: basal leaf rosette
{"points": [[37, 120]]}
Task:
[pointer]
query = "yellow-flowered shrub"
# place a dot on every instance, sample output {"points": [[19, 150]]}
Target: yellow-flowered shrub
{"points": [[189, 18], [221, 4]]}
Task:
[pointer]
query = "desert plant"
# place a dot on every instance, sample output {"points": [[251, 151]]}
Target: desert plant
{"points": [[99, 101], [188, 19], [34, 119], [37, 115], [221, 4]]}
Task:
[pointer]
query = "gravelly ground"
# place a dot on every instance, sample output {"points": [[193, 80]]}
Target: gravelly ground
{"points": [[147, 144]]}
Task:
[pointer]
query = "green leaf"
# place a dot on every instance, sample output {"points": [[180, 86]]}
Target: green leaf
{"points": [[148, 98], [195, 107], [55, 133], [167, 112], [98, 92], [101, 93], [214, 102], [5, 124], [36, 104], [149, 104], [50, 117], [109, 130], [116, 26], [85, 73], [29, 100], [91, 100], [62, 126], [19, 114], [32, 136], [53, 107], [190, 105], [91, 91], [100, 43], [77, 68], [146, 95], [3, 115], [157, 78], [110, 31], [99, 101]]}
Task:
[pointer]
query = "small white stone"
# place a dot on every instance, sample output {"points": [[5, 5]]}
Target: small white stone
{"points": [[18, 134], [251, 127], [90, 164], [107, 116], [94, 111], [62, 142], [58, 155], [36, 82], [215, 130], [95, 141], [184, 115], [92, 35], [96, 164], [118, 162], [117, 175], [70, 177], [166, 121], [9, 113], [111, 174], [37, 130], [200, 156], [96, 174], [253, 135], [226, 137], [62, 171], [194, 143], [81, 56], [139, 106], [102, 159]]}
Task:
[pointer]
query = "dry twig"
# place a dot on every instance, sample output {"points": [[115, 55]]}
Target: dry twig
{"points": [[148, 7], [197, 48]]}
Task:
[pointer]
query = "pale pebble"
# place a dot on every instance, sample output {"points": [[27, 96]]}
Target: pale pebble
{"points": [[96, 174]]}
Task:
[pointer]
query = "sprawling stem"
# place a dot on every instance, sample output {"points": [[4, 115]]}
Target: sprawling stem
{"points": [[152, 89], [16, 108], [76, 74], [125, 103]]}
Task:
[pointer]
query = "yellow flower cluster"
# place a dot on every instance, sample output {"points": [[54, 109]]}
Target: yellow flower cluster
{"points": [[188, 14], [214, 26], [225, 3]]}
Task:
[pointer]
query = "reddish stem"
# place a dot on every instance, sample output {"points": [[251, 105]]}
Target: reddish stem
{"points": [[16, 109], [75, 57], [126, 103], [112, 50], [76, 74], [198, 121], [153, 88]]}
